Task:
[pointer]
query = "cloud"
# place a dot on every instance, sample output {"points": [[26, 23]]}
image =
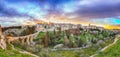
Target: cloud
{"points": [[13, 21], [78, 10], [81, 8], [98, 8], [7, 11]]}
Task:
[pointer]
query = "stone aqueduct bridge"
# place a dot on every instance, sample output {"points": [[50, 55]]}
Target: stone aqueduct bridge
{"points": [[27, 39]]}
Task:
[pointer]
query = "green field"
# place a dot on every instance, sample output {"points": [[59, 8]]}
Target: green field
{"points": [[12, 53]]}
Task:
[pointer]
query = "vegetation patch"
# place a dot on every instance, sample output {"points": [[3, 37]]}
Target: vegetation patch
{"points": [[112, 51]]}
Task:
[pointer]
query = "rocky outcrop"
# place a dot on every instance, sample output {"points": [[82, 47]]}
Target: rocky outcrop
{"points": [[58, 46], [2, 42]]}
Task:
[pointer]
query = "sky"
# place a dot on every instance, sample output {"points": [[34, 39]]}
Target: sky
{"points": [[97, 12]]}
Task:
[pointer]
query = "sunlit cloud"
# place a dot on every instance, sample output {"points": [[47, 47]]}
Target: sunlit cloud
{"points": [[13, 21], [99, 12]]}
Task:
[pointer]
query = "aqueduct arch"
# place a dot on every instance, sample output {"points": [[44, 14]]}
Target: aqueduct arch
{"points": [[27, 39]]}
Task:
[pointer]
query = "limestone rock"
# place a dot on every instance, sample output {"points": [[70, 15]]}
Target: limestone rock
{"points": [[2, 42], [58, 46]]}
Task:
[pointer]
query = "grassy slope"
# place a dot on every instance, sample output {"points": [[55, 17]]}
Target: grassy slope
{"points": [[12, 53], [63, 54], [113, 51], [73, 53]]}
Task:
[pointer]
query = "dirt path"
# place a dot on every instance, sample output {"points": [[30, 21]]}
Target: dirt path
{"points": [[115, 40], [25, 52]]}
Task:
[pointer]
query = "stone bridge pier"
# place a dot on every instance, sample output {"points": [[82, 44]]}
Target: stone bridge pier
{"points": [[28, 39]]}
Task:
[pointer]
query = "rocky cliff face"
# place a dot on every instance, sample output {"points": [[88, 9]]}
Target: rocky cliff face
{"points": [[2, 42], [2, 39]]}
